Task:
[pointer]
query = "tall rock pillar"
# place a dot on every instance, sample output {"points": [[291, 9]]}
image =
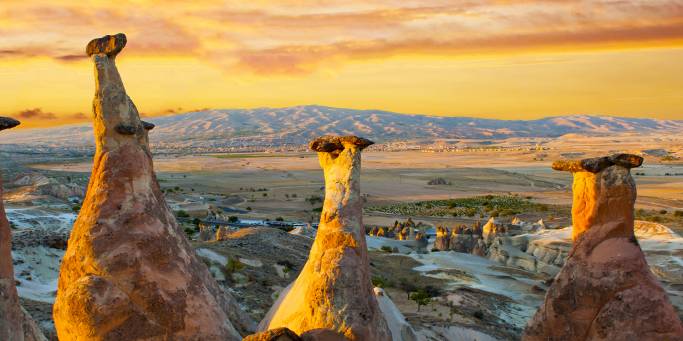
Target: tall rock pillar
{"points": [[605, 291], [129, 272], [15, 324], [333, 290]]}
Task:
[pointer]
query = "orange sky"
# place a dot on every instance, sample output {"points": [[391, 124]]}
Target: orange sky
{"points": [[501, 59]]}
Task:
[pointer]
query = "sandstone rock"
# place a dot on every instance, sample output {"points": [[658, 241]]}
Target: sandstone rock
{"points": [[400, 329], [323, 335], [107, 45], [443, 239], [279, 334], [605, 289], [380, 232], [304, 230], [148, 125], [491, 229], [222, 233], [517, 221], [7, 123], [15, 323], [207, 233], [129, 273], [333, 291]]}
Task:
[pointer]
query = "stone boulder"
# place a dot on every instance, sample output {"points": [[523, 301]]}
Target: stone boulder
{"points": [[15, 322], [605, 290], [333, 292], [129, 272]]}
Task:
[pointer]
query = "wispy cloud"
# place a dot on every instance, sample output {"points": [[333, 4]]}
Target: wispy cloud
{"points": [[295, 37], [36, 114]]}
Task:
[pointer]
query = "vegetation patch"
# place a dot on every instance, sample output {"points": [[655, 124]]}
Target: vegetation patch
{"points": [[491, 205]]}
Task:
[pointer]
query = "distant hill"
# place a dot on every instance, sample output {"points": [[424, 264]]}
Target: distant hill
{"points": [[297, 125]]}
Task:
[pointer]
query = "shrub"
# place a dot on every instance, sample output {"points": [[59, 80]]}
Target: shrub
{"points": [[386, 248], [233, 265], [379, 282], [182, 214], [678, 214], [407, 285], [421, 298], [233, 219]]}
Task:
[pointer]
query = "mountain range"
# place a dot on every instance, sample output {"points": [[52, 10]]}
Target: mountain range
{"points": [[297, 125]]}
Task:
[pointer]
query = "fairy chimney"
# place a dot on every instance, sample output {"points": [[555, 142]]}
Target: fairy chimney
{"points": [[605, 289], [15, 323], [333, 291], [442, 242], [129, 272]]}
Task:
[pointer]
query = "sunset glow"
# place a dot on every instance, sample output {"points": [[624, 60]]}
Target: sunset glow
{"points": [[513, 59]]}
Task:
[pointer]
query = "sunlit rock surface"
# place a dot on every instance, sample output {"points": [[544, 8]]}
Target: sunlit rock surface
{"points": [[333, 291], [129, 273], [605, 289], [15, 323]]}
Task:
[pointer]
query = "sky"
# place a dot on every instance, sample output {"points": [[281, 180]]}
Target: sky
{"points": [[507, 59]]}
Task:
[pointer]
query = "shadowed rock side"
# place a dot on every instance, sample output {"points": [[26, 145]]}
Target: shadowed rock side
{"points": [[129, 273], [605, 291], [333, 291], [15, 323]]}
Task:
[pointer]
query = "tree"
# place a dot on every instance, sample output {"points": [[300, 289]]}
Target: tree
{"points": [[421, 298], [407, 285], [233, 219], [182, 214]]}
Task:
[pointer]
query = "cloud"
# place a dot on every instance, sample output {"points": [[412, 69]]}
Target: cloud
{"points": [[294, 37], [77, 116], [298, 59], [36, 114]]}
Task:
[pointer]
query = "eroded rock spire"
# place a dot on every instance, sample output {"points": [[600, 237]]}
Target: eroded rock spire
{"points": [[15, 324], [605, 289], [129, 273], [333, 291]]}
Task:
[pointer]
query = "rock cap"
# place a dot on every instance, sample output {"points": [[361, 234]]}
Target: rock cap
{"points": [[597, 164], [331, 143], [109, 45], [8, 123], [148, 125]]}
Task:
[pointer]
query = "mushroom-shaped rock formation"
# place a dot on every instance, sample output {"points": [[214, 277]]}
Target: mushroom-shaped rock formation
{"points": [[129, 272], [442, 242], [605, 291], [15, 323], [333, 291]]}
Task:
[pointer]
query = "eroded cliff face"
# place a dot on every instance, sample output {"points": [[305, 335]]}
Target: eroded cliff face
{"points": [[605, 289], [129, 273], [333, 291], [15, 323]]}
